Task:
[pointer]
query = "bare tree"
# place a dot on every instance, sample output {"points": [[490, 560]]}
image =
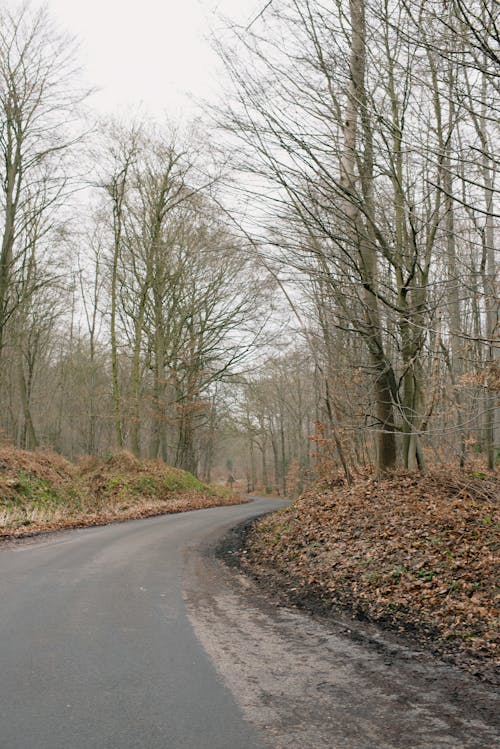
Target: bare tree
{"points": [[351, 177], [38, 102]]}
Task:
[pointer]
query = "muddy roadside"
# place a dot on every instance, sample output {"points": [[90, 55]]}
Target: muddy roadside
{"points": [[288, 591], [311, 678]]}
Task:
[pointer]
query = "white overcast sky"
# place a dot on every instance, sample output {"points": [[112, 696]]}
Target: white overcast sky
{"points": [[149, 52]]}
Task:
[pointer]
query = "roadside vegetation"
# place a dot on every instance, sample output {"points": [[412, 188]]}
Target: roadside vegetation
{"points": [[418, 553], [305, 285], [41, 491]]}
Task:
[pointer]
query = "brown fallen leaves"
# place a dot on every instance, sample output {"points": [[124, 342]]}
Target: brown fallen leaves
{"points": [[41, 491], [417, 552]]}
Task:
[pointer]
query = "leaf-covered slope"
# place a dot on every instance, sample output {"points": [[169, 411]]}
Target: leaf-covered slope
{"points": [[417, 552], [43, 491]]}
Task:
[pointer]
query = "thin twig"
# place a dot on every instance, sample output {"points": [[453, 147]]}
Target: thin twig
{"points": [[261, 13]]}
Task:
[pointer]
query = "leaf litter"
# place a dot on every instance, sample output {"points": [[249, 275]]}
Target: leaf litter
{"points": [[42, 491], [415, 552]]}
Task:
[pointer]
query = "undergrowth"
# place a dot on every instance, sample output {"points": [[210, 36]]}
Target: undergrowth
{"points": [[43, 491], [417, 552]]}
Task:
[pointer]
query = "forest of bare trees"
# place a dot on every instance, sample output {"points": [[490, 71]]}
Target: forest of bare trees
{"points": [[305, 282]]}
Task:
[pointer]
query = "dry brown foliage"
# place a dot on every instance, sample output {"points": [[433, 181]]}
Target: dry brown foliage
{"points": [[418, 552], [44, 464], [41, 491]]}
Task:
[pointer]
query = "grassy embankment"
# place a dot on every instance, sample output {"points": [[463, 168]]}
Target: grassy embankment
{"points": [[416, 552], [42, 491]]}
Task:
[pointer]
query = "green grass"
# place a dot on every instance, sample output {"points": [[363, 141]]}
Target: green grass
{"points": [[30, 490]]}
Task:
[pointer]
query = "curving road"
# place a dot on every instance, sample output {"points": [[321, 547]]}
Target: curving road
{"points": [[132, 636], [96, 650]]}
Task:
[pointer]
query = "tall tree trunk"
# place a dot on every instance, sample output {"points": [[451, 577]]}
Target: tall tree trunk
{"points": [[117, 195], [135, 422], [186, 457], [12, 185], [490, 285], [263, 453], [455, 361], [251, 470], [489, 272], [356, 101], [208, 457], [283, 455], [492, 308], [158, 436], [29, 438]]}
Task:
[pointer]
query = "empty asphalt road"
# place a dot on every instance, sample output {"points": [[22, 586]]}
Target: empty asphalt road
{"points": [[132, 636], [96, 650]]}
